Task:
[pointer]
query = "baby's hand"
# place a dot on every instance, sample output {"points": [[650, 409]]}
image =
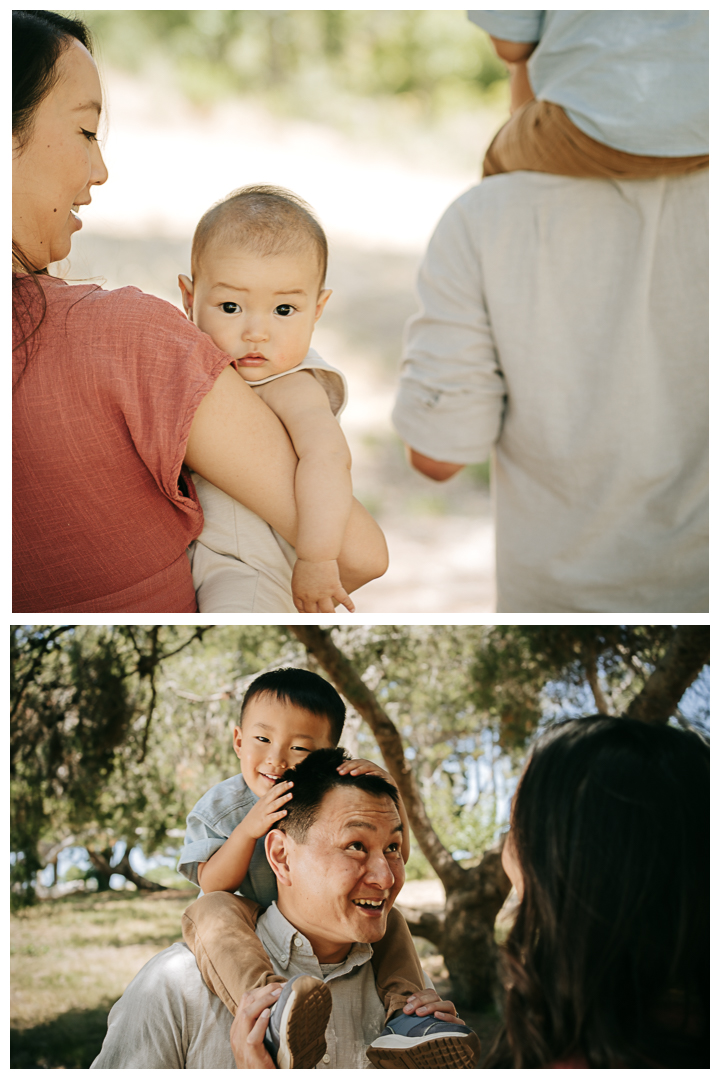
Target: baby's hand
{"points": [[316, 586], [267, 810], [358, 766]]}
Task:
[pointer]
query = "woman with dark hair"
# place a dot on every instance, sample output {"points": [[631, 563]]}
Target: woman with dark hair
{"points": [[115, 393], [607, 964]]}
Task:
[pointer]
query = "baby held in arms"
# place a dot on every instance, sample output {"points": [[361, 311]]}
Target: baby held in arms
{"points": [[259, 259]]}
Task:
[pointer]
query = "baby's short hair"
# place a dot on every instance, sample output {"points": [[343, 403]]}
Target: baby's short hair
{"points": [[266, 219]]}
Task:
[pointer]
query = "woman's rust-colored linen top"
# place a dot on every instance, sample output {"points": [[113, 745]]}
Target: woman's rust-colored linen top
{"points": [[104, 394]]}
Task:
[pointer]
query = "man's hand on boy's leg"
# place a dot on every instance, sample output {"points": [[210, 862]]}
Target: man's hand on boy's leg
{"points": [[428, 1002], [249, 1026], [426, 1035]]}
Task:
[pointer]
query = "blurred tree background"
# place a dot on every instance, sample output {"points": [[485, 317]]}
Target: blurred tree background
{"points": [[310, 62], [116, 731]]}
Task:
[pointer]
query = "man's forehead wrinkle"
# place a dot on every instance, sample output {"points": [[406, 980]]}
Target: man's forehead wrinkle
{"points": [[369, 825]]}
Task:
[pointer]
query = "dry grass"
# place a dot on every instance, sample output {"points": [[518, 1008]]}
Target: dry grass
{"points": [[72, 958]]}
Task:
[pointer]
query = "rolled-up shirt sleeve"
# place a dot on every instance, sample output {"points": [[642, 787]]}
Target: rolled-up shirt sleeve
{"points": [[510, 25], [201, 841], [452, 393]]}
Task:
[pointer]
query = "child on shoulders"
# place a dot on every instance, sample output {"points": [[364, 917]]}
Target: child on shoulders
{"points": [[286, 716], [615, 94]]}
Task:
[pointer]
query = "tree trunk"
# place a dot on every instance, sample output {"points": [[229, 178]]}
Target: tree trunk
{"points": [[348, 682], [465, 933], [127, 871], [102, 870], [686, 655]]}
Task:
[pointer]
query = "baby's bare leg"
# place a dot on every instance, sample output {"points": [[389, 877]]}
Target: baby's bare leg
{"points": [[220, 930], [364, 553]]}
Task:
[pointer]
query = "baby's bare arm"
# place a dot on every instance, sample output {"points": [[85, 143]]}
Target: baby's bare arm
{"points": [[323, 485], [304, 408]]}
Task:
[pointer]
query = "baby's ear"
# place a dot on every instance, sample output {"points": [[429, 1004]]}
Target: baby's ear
{"points": [[186, 288], [322, 301]]}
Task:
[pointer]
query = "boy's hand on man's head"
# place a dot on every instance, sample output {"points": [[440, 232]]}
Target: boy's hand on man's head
{"points": [[360, 766], [267, 810], [316, 587]]}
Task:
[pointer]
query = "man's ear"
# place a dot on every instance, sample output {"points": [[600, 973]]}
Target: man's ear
{"points": [[322, 301], [186, 288], [237, 740], [278, 848]]}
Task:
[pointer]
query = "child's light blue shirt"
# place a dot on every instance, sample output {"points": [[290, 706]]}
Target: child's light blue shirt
{"points": [[637, 81], [209, 825]]}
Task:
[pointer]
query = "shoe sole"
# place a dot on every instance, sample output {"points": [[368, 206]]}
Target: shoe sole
{"points": [[305, 1018], [433, 1052]]}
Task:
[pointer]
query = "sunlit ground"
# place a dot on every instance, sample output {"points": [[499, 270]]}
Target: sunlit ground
{"points": [[379, 188], [72, 958]]}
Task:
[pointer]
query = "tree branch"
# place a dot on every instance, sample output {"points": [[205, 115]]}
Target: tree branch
{"points": [[124, 868], [591, 671], [320, 643], [426, 925], [686, 655], [37, 660]]}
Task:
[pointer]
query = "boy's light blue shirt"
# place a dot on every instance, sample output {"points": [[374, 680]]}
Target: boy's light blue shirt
{"points": [[209, 825], [634, 80]]}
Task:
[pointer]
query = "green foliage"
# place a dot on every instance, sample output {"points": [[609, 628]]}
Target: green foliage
{"points": [[116, 731], [435, 58], [529, 675]]}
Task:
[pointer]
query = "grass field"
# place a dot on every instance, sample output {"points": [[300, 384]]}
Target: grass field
{"points": [[72, 958]]}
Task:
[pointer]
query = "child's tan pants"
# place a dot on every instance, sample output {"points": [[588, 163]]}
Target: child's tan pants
{"points": [[220, 930], [540, 137]]}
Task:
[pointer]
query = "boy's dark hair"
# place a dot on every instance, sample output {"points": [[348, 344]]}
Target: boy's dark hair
{"points": [[263, 218], [313, 778], [304, 689], [608, 958]]}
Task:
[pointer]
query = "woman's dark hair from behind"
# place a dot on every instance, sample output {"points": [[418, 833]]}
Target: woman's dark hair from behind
{"points": [[39, 39], [608, 959]]}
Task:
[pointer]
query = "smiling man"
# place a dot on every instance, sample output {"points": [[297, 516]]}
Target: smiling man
{"points": [[338, 864]]}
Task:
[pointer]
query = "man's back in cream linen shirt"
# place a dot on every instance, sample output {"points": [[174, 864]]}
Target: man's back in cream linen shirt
{"points": [[168, 1019], [563, 325]]}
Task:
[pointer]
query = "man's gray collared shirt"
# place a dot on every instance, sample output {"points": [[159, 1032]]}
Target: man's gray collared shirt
{"points": [[168, 1019]]}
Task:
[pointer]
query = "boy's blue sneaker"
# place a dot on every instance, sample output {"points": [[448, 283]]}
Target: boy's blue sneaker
{"points": [[414, 1042], [295, 1036]]}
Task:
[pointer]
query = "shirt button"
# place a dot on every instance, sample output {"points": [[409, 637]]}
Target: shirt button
{"points": [[326, 1059], [298, 941]]}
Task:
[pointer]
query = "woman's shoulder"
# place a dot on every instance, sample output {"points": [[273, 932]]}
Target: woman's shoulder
{"points": [[124, 302]]}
